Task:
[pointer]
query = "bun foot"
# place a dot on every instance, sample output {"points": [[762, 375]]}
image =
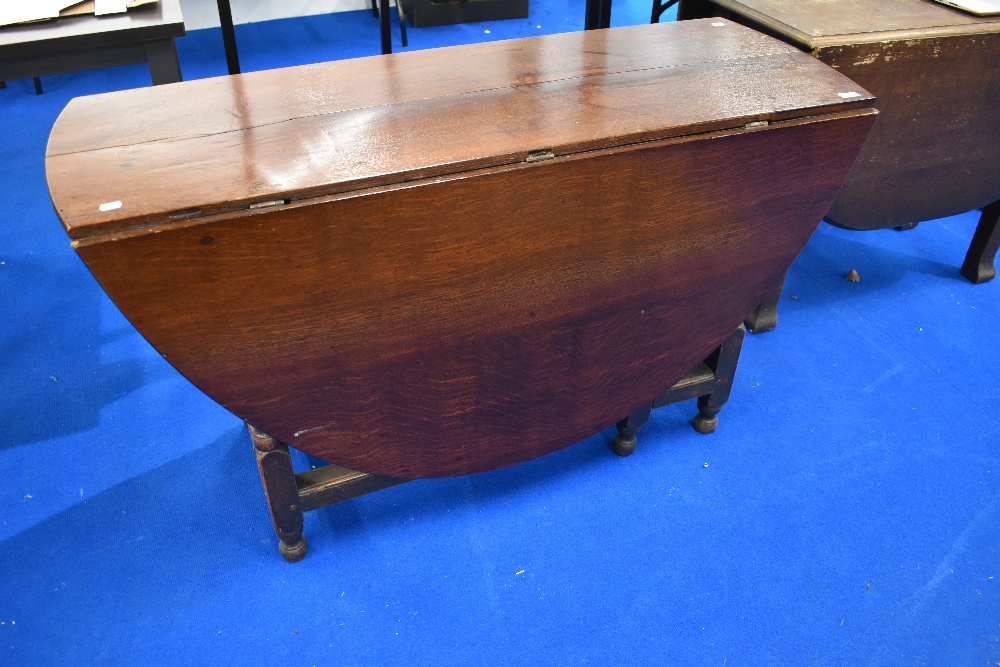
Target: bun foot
{"points": [[295, 552], [623, 446], [628, 428], [705, 425]]}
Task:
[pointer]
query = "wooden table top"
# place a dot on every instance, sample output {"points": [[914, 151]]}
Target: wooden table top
{"points": [[817, 23], [157, 21], [477, 255], [319, 130]]}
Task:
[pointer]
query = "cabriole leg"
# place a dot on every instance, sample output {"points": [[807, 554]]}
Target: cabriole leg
{"points": [[978, 266], [765, 316], [278, 477]]}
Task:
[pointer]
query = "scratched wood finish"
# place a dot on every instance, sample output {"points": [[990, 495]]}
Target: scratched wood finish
{"points": [[935, 150], [453, 323], [320, 130], [813, 24]]}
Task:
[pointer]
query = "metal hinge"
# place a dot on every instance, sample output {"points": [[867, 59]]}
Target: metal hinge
{"points": [[538, 156], [268, 204]]}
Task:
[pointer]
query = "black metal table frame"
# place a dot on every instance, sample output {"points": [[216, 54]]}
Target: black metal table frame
{"points": [[229, 32], [598, 15]]}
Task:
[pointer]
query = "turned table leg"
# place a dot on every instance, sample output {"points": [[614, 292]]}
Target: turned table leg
{"points": [[275, 464], [765, 316], [711, 383], [723, 363], [628, 429], [978, 265]]}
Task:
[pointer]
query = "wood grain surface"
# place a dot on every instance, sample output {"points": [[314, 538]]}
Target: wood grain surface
{"points": [[403, 320], [811, 24], [480, 320], [222, 145], [935, 149]]}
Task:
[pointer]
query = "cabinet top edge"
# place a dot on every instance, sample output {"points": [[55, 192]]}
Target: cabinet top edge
{"points": [[814, 24]]}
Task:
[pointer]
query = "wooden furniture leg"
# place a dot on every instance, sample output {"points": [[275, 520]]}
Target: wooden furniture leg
{"points": [[164, 67], [290, 494], [723, 364], [978, 265], [624, 442], [275, 464], [765, 316], [711, 383]]}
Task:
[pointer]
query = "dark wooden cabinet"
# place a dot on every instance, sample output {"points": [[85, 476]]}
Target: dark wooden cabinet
{"points": [[935, 71], [448, 261], [423, 13]]}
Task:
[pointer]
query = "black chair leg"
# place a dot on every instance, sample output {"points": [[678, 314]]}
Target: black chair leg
{"points": [[229, 36], [385, 26], [402, 21], [38, 86], [660, 7], [386, 41]]}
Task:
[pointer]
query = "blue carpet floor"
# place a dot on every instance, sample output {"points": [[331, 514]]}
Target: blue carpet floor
{"points": [[847, 515]]}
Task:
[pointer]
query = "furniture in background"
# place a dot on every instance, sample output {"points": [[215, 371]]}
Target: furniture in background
{"points": [[659, 7], [935, 150], [401, 15], [381, 11], [597, 15], [37, 81], [74, 43], [363, 274], [425, 13]]}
